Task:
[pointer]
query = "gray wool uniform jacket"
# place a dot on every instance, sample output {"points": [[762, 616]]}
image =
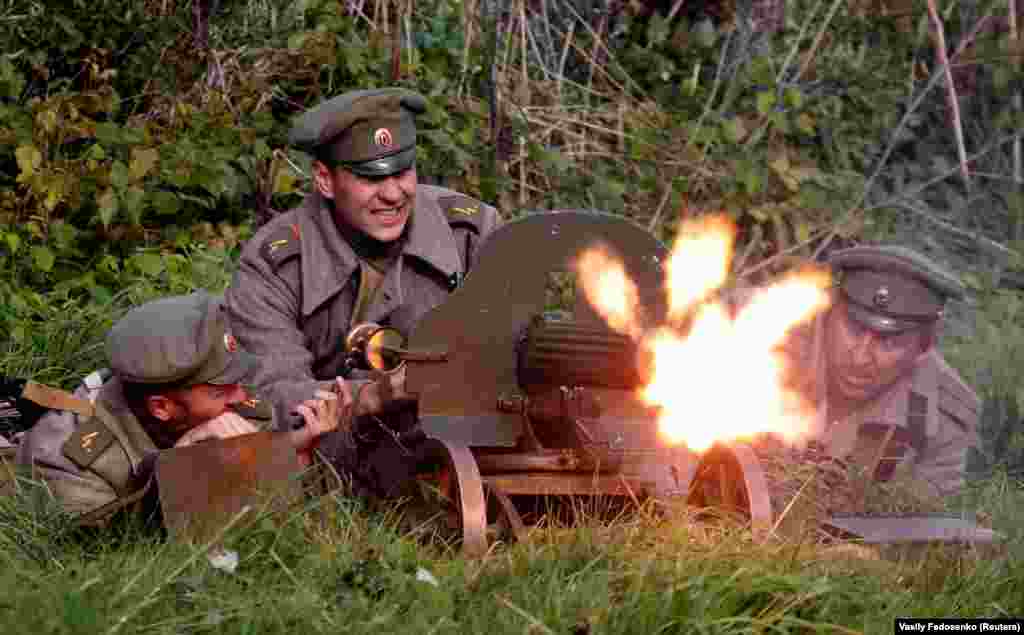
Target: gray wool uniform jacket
{"points": [[292, 298]]}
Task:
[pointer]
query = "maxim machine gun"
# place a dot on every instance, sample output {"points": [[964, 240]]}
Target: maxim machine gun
{"points": [[524, 403], [519, 403]]}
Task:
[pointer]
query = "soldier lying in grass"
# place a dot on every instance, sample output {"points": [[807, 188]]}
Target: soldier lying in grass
{"points": [[177, 375], [883, 394]]}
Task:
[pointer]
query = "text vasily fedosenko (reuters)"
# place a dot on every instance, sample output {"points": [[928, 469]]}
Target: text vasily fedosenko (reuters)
{"points": [[958, 625]]}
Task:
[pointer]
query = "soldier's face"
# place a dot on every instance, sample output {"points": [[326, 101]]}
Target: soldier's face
{"points": [[377, 206], [862, 363], [187, 408]]}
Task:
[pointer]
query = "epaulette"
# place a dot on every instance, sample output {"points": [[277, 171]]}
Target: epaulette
{"points": [[88, 442], [956, 398], [280, 246], [461, 211], [258, 410]]}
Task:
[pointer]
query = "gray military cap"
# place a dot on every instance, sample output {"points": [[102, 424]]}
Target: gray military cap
{"points": [[369, 132], [892, 289], [181, 341]]}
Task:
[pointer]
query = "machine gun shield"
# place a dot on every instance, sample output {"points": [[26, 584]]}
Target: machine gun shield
{"points": [[203, 486]]}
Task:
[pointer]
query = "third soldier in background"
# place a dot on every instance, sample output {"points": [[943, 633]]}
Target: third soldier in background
{"points": [[871, 368]]}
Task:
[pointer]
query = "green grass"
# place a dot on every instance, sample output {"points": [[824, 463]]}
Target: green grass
{"points": [[339, 567], [336, 566]]}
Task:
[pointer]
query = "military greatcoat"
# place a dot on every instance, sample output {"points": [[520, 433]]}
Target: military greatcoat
{"points": [[292, 298]]}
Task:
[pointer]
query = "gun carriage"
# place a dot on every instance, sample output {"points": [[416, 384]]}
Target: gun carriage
{"points": [[525, 403]]}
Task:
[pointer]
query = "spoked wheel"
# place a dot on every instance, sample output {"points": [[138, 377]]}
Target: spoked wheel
{"points": [[451, 482], [503, 520], [730, 477]]}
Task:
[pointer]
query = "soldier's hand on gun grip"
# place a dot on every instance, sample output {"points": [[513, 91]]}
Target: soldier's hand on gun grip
{"points": [[329, 410], [230, 424], [385, 387]]}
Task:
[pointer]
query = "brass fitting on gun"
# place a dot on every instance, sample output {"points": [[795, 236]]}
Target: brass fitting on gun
{"points": [[373, 347]]}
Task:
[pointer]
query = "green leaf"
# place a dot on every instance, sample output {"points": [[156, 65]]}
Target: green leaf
{"points": [[96, 152], [13, 241], [765, 102], [108, 133], [296, 40], [142, 162], [11, 81], [284, 181], [733, 130], [132, 203], [165, 203], [109, 263], [751, 181], [29, 159], [792, 97], [120, 177], [657, 29], [107, 204], [101, 294], [261, 149], [43, 258], [148, 264]]}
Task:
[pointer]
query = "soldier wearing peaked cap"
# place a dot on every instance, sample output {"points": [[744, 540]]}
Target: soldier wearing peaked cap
{"points": [[175, 378], [368, 244], [870, 366]]}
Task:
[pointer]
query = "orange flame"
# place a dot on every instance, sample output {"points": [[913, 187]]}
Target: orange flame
{"points": [[722, 379], [609, 289], [699, 263]]}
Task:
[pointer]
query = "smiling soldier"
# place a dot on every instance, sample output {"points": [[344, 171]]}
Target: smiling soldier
{"points": [[368, 244], [871, 367]]}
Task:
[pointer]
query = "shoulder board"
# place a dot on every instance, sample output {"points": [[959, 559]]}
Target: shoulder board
{"points": [[255, 409], [954, 404], [461, 211], [89, 440], [281, 245], [956, 398], [950, 382]]}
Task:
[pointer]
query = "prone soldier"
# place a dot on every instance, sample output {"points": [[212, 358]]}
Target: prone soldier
{"points": [[368, 244], [870, 366], [175, 379]]}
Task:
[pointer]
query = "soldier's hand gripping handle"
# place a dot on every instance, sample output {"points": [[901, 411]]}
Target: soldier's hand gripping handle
{"points": [[330, 409]]}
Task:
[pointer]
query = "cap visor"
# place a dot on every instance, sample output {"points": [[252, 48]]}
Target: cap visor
{"points": [[238, 370], [385, 166], [879, 322]]}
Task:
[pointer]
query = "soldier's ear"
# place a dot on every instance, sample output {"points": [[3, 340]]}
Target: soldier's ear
{"points": [[160, 407], [324, 179]]}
